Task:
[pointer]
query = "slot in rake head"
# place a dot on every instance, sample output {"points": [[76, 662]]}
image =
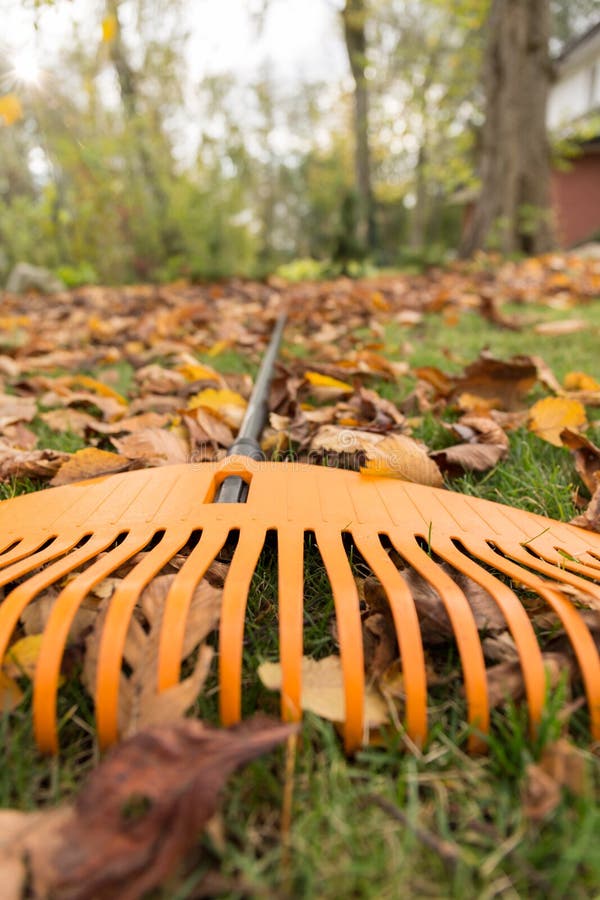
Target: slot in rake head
{"points": [[96, 526]]}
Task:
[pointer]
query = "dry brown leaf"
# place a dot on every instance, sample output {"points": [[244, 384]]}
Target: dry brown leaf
{"points": [[540, 793], [154, 446], [90, 463], [323, 690], [485, 445], [586, 455], [140, 702], [136, 818], [204, 428], [506, 683], [16, 409], [398, 456], [34, 617], [30, 463], [67, 419], [562, 765], [567, 764], [590, 518], [505, 383], [434, 622], [550, 416], [564, 326]]}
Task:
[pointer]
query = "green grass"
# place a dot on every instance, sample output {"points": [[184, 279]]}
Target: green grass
{"points": [[388, 823]]}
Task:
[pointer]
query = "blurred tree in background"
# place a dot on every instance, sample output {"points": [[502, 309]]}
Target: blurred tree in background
{"points": [[100, 180]]}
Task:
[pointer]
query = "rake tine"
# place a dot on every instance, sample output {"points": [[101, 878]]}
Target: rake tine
{"points": [[290, 558], [554, 570], [177, 604], [465, 630], [347, 612], [517, 620], [18, 549], [408, 632], [233, 610], [14, 604], [114, 633], [24, 564], [575, 628], [57, 631]]}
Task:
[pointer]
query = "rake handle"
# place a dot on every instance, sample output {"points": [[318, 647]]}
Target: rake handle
{"points": [[234, 489]]}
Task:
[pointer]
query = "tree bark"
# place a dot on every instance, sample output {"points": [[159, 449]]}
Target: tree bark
{"points": [[354, 17], [513, 211]]}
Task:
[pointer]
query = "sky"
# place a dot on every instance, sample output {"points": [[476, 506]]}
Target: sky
{"points": [[300, 38]]}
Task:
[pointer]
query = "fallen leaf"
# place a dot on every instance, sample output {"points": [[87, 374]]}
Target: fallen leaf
{"points": [[90, 463], [540, 793], [34, 617], [579, 381], [225, 404], [325, 387], [153, 446], [323, 690], [550, 416], [67, 419], [30, 463], [566, 764], [11, 694], [398, 456], [139, 814], [16, 409], [591, 517], [198, 372], [504, 382], [586, 456], [22, 656], [97, 387], [140, 702], [564, 326], [485, 445]]}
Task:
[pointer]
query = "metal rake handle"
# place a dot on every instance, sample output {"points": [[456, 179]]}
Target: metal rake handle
{"points": [[234, 489]]}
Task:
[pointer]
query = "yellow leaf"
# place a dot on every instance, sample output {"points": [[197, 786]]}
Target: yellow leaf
{"points": [[197, 372], [11, 694], [548, 417], [218, 348], [109, 29], [225, 404], [323, 690], [318, 380], [22, 657], [90, 463], [10, 109], [97, 387], [579, 381]]}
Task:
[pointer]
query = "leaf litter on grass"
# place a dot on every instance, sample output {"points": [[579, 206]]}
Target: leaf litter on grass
{"points": [[330, 403]]}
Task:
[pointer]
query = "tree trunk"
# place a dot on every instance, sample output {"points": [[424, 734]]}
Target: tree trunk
{"points": [[354, 17], [513, 211]]}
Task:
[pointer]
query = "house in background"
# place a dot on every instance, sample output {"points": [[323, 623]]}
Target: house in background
{"points": [[574, 111]]}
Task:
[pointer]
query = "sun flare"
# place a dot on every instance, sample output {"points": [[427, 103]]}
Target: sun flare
{"points": [[25, 66]]}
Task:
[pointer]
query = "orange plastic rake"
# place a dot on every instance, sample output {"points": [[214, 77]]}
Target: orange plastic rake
{"points": [[95, 526]]}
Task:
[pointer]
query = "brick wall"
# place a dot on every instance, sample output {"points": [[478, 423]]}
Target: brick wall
{"points": [[576, 199]]}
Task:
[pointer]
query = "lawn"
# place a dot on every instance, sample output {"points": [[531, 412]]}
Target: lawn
{"points": [[395, 820]]}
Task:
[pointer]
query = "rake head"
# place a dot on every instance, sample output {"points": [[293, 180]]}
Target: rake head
{"points": [[96, 526]]}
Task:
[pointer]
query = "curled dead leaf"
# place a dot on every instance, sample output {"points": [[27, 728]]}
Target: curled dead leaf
{"points": [[137, 817]]}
